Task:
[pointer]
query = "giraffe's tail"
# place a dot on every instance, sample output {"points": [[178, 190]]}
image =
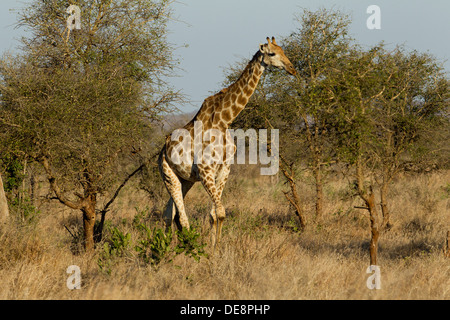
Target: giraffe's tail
{"points": [[161, 160]]}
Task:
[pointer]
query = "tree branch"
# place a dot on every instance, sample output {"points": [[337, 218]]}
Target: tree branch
{"points": [[54, 186], [106, 207]]}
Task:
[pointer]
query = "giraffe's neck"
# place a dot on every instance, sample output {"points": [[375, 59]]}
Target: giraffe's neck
{"points": [[220, 110], [238, 94]]}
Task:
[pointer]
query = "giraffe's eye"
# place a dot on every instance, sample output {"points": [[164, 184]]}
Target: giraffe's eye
{"points": [[271, 54]]}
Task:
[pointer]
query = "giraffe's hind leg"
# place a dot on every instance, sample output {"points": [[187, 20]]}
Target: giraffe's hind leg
{"points": [[174, 186], [171, 213], [185, 187]]}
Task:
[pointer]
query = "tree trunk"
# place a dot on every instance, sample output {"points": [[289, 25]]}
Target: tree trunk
{"points": [[384, 207], [369, 200], [319, 191], [98, 232], [373, 228], [294, 200], [4, 211], [447, 246], [89, 222]]}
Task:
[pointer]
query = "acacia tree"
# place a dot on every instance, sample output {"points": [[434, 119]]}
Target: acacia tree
{"points": [[80, 101], [299, 106], [259, 114], [385, 103], [411, 109], [316, 48], [372, 110]]}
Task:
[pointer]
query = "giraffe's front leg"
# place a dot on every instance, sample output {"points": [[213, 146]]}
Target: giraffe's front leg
{"points": [[213, 179], [207, 174], [213, 223], [221, 179]]}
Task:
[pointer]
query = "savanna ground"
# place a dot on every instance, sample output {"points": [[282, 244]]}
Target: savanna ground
{"points": [[262, 254]]}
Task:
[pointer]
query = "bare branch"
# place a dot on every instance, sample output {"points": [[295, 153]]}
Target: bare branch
{"points": [[54, 186]]}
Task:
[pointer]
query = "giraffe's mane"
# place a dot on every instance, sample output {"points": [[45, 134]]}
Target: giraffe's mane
{"points": [[222, 92]]}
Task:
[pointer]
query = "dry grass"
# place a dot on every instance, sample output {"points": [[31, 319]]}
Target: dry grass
{"points": [[261, 256]]}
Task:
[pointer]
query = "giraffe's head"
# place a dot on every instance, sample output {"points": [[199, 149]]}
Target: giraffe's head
{"points": [[273, 55]]}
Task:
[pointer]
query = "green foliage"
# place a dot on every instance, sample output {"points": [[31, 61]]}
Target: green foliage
{"points": [[80, 102], [23, 209], [188, 243], [115, 247], [13, 173], [375, 109], [386, 102], [293, 225], [141, 218], [20, 204], [155, 247], [119, 242], [152, 244]]}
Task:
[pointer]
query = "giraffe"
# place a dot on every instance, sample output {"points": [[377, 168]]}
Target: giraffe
{"points": [[217, 112]]}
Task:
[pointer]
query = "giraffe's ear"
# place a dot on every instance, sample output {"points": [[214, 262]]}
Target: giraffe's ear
{"points": [[262, 47]]}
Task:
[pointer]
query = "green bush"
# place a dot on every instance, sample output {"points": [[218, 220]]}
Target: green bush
{"points": [[188, 243], [152, 244], [113, 248], [155, 247]]}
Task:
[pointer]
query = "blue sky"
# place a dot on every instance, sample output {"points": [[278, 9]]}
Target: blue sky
{"points": [[220, 33]]}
